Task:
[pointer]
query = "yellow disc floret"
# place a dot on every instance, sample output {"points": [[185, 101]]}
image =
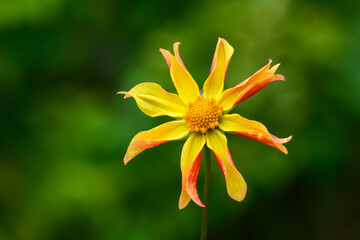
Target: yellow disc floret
{"points": [[203, 115]]}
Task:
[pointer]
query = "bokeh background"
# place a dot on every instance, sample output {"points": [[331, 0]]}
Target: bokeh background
{"points": [[64, 131]]}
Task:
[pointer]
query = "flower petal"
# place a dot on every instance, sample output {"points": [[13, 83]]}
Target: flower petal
{"points": [[185, 85], [190, 164], [253, 130], [177, 54], [214, 84], [167, 55], [154, 101], [163, 133], [235, 183], [249, 87]]}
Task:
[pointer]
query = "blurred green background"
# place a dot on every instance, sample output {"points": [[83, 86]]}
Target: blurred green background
{"points": [[64, 131]]}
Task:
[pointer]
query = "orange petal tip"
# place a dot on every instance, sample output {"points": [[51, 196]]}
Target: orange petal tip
{"points": [[126, 159], [288, 139], [127, 95], [281, 140], [279, 77]]}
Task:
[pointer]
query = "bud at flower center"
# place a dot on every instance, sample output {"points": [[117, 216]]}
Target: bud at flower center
{"points": [[203, 115]]}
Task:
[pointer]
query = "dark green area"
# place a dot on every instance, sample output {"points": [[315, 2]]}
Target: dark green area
{"points": [[64, 131]]}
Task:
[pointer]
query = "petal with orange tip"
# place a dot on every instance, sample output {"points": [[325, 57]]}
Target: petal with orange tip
{"points": [[235, 183], [167, 55], [185, 85], [154, 101], [163, 133], [249, 87], [190, 164], [214, 84], [253, 130]]}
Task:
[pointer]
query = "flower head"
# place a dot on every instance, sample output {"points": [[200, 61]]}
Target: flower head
{"points": [[202, 118]]}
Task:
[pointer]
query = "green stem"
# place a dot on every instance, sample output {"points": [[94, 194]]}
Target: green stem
{"points": [[204, 224]]}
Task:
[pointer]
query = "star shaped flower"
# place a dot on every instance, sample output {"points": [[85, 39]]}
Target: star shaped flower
{"points": [[202, 117]]}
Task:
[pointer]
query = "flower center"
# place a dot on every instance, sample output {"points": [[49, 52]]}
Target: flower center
{"points": [[202, 115]]}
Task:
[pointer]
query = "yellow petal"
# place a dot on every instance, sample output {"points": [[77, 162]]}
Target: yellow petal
{"points": [[190, 163], [214, 84], [163, 133], [251, 129], [185, 85], [177, 54], [167, 55], [154, 101], [249, 87], [235, 183]]}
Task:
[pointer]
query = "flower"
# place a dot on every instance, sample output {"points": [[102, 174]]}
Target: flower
{"points": [[202, 118]]}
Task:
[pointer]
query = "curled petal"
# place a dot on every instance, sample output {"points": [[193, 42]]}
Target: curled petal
{"points": [[253, 130], [177, 54], [185, 85], [190, 164], [249, 87], [281, 140], [163, 133], [167, 55], [214, 84], [154, 101], [235, 183]]}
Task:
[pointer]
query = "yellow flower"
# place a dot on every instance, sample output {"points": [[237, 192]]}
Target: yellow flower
{"points": [[202, 118]]}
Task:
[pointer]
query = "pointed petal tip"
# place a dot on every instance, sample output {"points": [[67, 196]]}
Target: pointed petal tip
{"points": [[127, 95], [164, 51], [127, 158], [177, 54], [183, 202], [281, 140], [223, 41], [166, 54], [200, 204], [183, 205], [195, 197], [239, 197], [279, 77], [276, 66], [176, 51]]}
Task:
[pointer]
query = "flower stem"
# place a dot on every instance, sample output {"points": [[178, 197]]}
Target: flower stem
{"points": [[204, 224]]}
